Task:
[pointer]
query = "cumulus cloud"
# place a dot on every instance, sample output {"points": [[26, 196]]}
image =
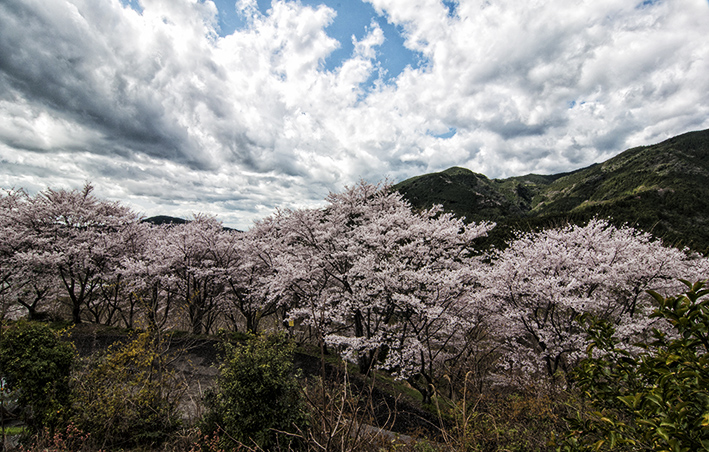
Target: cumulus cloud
{"points": [[160, 111]]}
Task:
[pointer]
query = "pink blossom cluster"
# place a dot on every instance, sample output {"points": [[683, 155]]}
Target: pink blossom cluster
{"points": [[538, 287]]}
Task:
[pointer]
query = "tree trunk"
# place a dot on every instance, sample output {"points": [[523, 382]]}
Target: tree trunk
{"points": [[252, 321], [196, 314], [424, 390]]}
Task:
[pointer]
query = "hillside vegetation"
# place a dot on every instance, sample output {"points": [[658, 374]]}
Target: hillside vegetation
{"points": [[662, 189]]}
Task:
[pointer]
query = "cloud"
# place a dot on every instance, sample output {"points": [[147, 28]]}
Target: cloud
{"points": [[513, 69], [160, 111]]}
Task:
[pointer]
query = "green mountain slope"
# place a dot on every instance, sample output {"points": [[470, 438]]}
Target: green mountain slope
{"points": [[663, 188]]}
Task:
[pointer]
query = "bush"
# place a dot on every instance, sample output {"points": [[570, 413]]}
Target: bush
{"points": [[257, 395], [37, 364], [127, 396], [658, 400]]}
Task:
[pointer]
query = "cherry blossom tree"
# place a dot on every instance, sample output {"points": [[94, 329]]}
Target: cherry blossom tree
{"points": [[35, 284], [10, 237], [75, 235], [147, 279], [418, 274], [175, 272], [111, 302], [540, 284], [195, 249], [248, 261], [385, 285], [12, 280], [303, 269]]}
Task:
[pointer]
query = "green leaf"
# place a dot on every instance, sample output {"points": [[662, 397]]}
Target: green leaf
{"points": [[663, 434], [631, 401], [705, 420], [597, 446], [612, 437], [656, 399], [607, 420]]}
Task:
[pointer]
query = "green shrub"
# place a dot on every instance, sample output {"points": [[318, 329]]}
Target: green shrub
{"points": [[35, 362], [127, 396], [257, 394], [656, 401]]}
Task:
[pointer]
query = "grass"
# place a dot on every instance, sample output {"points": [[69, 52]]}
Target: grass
{"points": [[13, 430]]}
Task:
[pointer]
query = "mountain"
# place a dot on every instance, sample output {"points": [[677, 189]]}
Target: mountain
{"points": [[164, 219], [662, 188]]}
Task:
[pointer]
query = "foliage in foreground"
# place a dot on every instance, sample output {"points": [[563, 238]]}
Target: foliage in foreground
{"points": [[35, 362], [258, 397], [521, 420], [128, 396], [656, 401]]}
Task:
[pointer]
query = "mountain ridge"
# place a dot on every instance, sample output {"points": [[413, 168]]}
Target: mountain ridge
{"points": [[661, 188]]}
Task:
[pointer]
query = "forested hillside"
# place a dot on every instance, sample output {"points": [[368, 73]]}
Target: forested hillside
{"points": [[662, 189]]}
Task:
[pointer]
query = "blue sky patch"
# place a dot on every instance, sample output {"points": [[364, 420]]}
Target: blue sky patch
{"points": [[647, 3], [354, 18], [452, 6], [133, 4], [451, 131]]}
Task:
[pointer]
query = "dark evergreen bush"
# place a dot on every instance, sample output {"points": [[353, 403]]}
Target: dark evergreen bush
{"points": [[258, 397], [36, 363]]}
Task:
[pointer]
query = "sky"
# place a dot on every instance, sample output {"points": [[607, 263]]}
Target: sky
{"points": [[240, 108]]}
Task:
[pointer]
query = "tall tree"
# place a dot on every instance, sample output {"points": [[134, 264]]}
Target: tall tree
{"points": [[194, 247], [248, 261], [12, 281], [76, 235], [538, 287], [384, 284], [146, 273]]}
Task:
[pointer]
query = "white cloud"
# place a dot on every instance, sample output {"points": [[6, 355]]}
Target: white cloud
{"points": [[167, 115]]}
